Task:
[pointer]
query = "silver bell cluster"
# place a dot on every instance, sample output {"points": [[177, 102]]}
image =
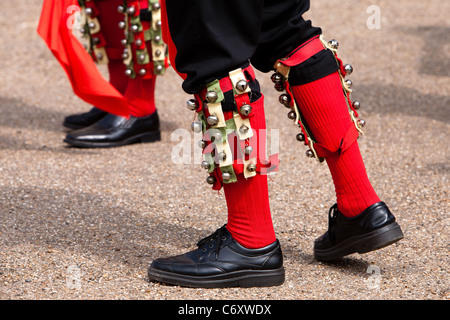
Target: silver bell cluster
{"points": [[278, 79], [348, 70], [197, 127], [133, 28]]}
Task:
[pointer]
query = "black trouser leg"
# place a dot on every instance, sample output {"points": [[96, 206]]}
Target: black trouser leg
{"points": [[214, 37]]}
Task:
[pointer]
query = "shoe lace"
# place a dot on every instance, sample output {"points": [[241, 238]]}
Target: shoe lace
{"points": [[217, 237]]}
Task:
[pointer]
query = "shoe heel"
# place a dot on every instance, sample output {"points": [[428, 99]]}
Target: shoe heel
{"points": [[384, 237], [269, 278], [151, 137]]}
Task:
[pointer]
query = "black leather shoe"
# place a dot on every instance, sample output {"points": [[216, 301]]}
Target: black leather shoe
{"points": [[221, 262], [373, 229], [115, 131], [83, 120]]}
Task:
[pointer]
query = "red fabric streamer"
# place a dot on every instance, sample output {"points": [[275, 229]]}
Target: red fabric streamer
{"points": [[55, 28]]}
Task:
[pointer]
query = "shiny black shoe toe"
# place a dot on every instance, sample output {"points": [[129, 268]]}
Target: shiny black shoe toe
{"points": [[373, 229], [83, 120], [115, 131], [221, 262]]}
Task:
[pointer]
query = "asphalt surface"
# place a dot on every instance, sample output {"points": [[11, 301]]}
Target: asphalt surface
{"points": [[86, 223]]}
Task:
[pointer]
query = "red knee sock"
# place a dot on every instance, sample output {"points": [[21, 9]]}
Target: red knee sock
{"points": [[138, 91], [140, 94], [109, 19], [249, 217], [117, 77], [324, 108]]}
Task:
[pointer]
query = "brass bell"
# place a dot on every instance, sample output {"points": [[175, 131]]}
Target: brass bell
{"points": [[131, 10], [138, 42], [349, 83], [361, 123], [215, 134], [196, 127], [91, 25], [142, 72], [245, 110], [96, 40], [129, 72], [156, 6], [284, 99], [243, 129], [141, 57], [158, 24], [334, 44], [251, 167], [124, 42], [212, 120], [226, 176], [348, 68], [122, 25], [276, 78], [300, 137], [121, 9], [309, 153], [279, 87], [241, 85], [159, 68], [291, 115], [222, 156], [248, 150], [205, 165], [356, 105], [134, 28], [191, 104], [211, 96], [202, 144], [125, 54], [211, 180], [157, 38], [99, 56], [89, 11]]}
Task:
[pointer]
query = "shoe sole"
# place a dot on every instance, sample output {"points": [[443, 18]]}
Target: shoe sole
{"points": [[371, 241], [243, 278], [140, 138]]}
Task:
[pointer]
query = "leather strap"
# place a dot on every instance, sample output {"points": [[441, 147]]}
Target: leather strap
{"points": [[226, 84], [303, 52]]}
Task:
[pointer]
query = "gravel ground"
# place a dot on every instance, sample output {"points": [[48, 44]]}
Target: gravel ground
{"points": [[85, 224]]}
